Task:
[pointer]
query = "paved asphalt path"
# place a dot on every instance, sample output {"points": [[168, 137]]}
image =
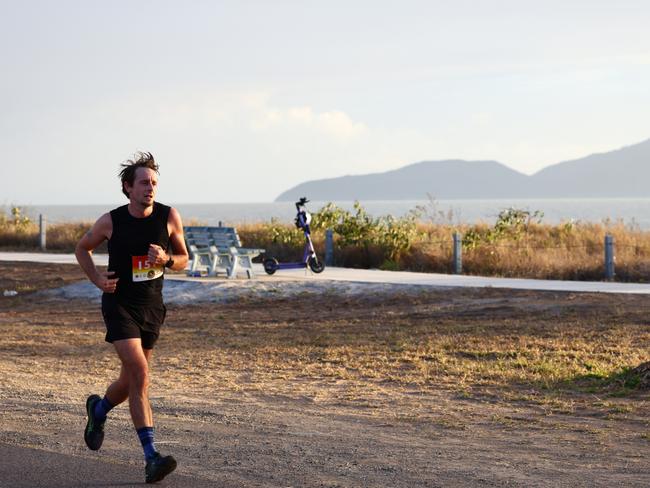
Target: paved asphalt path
{"points": [[22, 467], [387, 277]]}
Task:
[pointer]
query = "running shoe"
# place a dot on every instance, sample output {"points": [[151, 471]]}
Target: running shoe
{"points": [[158, 467], [94, 433]]}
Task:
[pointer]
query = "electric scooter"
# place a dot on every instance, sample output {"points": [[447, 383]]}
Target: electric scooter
{"points": [[309, 259]]}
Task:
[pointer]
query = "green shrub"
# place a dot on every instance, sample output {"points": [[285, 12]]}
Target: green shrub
{"points": [[389, 234], [518, 244], [512, 223]]}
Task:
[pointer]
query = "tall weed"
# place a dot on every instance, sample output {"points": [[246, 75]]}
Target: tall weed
{"points": [[518, 244]]}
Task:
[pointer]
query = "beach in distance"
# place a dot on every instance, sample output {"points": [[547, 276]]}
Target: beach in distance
{"points": [[632, 211]]}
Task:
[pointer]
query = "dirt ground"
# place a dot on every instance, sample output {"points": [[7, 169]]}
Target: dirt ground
{"points": [[453, 387]]}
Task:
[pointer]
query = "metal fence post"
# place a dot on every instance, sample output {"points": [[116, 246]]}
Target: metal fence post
{"points": [[42, 225], [329, 247], [609, 257], [458, 253]]}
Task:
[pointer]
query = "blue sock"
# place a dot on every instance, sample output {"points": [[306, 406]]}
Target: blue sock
{"points": [[146, 439], [102, 408]]}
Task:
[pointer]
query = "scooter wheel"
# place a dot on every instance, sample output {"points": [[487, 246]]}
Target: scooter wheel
{"points": [[315, 265], [270, 265]]}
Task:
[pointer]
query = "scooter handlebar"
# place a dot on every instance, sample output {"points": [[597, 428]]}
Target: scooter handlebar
{"points": [[302, 202]]}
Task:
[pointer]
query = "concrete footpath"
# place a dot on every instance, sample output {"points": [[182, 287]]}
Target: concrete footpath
{"points": [[22, 467], [385, 277]]}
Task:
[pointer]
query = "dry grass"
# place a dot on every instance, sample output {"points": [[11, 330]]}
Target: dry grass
{"points": [[557, 350], [60, 237], [574, 252], [369, 355], [566, 251], [478, 340], [493, 375]]}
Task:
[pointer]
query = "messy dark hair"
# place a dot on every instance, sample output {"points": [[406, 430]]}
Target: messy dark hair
{"points": [[140, 160]]}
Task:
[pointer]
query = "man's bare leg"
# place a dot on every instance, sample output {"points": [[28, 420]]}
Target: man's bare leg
{"points": [[135, 370], [118, 391], [98, 408], [133, 380]]}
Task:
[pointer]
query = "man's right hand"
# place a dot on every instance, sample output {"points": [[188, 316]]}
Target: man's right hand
{"points": [[106, 283]]}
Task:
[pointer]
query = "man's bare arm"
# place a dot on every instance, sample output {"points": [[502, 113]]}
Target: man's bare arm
{"points": [[179, 252], [100, 231]]}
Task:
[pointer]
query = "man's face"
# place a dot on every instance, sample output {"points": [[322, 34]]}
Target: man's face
{"points": [[145, 185]]}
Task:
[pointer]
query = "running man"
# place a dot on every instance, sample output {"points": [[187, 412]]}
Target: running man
{"points": [[144, 237]]}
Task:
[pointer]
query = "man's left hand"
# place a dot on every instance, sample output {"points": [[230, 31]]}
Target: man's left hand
{"points": [[157, 256]]}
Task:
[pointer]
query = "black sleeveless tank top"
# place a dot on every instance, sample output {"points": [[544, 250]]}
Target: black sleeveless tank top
{"points": [[139, 283]]}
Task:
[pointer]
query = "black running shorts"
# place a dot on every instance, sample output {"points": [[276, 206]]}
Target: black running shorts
{"points": [[131, 322]]}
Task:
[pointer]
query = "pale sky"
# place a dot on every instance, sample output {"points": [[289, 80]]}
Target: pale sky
{"points": [[241, 100]]}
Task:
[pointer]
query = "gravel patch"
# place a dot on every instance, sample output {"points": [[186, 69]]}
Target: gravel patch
{"points": [[183, 292]]}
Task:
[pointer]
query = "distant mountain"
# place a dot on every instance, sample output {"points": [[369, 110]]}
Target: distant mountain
{"points": [[444, 179], [621, 173]]}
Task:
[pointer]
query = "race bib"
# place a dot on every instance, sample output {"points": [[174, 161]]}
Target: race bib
{"points": [[145, 271]]}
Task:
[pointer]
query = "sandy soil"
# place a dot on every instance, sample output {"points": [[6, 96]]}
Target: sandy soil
{"points": [[311, 390]]}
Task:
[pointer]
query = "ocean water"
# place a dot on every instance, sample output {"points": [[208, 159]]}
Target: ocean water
{"points": [[633, 211]]}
